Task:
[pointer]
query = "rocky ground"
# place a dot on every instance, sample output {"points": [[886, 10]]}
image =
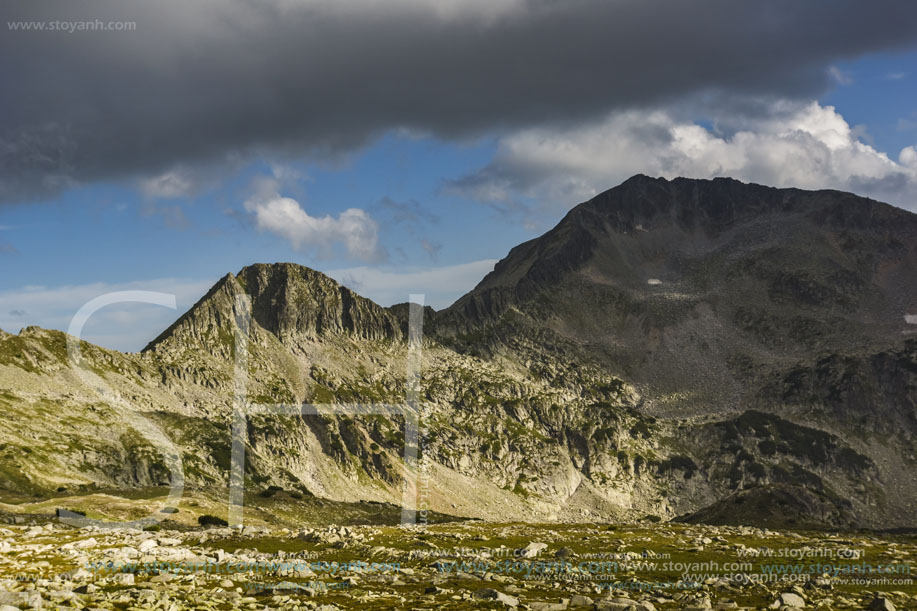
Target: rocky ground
{"points": [[45, 563]]}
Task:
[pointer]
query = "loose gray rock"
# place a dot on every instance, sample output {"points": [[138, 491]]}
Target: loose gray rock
{"points": [[491, 594], [881, 604], [789, 599], [623, 604], [533, 549], [578, 600]]}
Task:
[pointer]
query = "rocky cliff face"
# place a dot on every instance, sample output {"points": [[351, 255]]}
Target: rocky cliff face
{"points": [[702, 348], [656, 266], [715, 298], [290, 301]]}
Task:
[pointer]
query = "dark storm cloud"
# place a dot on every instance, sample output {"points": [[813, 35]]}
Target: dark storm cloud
{"points": [[198, 80]]}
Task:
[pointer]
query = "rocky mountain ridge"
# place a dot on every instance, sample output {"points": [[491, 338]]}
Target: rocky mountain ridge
{"points": [[671, 348]]}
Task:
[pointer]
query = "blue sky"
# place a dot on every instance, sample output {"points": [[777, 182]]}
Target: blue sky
{"points": [[111, 236], [408, 203]]}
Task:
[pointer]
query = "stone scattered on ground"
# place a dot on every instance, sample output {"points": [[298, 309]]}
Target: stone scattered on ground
{"points": [[642, 567]]}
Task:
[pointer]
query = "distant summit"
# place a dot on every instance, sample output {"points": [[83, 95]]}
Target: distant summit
{"points": [[653, 223], [290, 301]]}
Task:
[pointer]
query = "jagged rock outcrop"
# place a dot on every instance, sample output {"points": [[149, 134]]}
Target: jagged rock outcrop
{"points": [[293, 301], [290, 301]]}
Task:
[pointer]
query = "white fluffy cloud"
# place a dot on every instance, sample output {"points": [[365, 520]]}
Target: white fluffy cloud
{"points": [[908, 157], [353, 227], [809, 147]]}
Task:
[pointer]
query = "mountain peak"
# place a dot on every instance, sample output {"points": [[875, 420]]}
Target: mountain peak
{"points": [[648, 228], [290, 301], [642, 178], [715, 205]]}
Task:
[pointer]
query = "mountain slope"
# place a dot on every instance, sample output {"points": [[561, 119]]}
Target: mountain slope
{"points": [[498, 440], [717, 297], [655, 273], [700, 348]]}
